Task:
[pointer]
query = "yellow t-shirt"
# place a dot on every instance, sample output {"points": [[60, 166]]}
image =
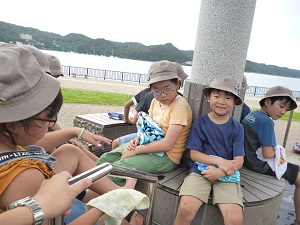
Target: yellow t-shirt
{"points": [[178, 112], [10, 170]]}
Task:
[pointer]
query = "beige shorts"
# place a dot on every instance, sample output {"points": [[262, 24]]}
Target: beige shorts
{"points": [[197, 186]]}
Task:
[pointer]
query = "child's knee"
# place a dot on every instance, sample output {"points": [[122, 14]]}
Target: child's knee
{"points": [[68, 150], [185, 209], [115, 144]]}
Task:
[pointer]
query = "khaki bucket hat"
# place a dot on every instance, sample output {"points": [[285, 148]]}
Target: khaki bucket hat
{"points": [[225, 83], [279, 91], [244, 83], [54, 65], [162, 70], [180, 72], [39, 56], [25, 88]]}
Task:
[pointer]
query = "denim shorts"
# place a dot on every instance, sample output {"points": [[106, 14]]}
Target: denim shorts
{"points": [[126, 138]]}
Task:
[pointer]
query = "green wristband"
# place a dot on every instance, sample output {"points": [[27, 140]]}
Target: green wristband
{"points": [[80, 134]]}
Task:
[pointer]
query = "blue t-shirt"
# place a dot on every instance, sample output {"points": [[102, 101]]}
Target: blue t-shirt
{"points": [[223, 140], [259, 132], [245, 111]]}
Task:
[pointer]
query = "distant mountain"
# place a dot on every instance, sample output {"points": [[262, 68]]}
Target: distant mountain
{"points": [[80, 43]]}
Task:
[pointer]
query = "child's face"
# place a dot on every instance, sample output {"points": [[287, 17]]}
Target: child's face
{"points": [[277, 109], [221, 102], [165, 91]]}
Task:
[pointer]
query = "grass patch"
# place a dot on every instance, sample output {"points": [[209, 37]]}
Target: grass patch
{"points": [[94, 97], [296, 116], [104, 98]]}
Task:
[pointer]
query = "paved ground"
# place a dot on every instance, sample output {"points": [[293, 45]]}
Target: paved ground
{"points": [[69, 111]]}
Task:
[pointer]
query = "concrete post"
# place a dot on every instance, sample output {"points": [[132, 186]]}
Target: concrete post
{"points": [[222, 41]]}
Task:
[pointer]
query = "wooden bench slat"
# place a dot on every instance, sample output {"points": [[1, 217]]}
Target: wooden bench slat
{"points": [[167, 176], [249, 197], [264, 178], [273, 189]]}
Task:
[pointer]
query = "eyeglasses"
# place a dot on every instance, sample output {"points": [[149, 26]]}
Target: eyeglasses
{"points": [[51, 122], [159, 92]]}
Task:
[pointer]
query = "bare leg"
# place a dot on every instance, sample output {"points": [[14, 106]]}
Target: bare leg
{"points": [[115, 144], [232, 214], [187, 210], [70, 158], [297, 200]]}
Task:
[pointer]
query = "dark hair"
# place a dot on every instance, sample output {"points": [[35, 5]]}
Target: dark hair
{"points": [[285, 99], [52, 110], [174, 81]]}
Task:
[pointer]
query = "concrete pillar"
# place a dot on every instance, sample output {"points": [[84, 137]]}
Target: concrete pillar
{"points": [[222, 41]]}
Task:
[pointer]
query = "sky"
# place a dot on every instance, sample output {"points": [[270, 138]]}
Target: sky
{"points": [[275, 35]]}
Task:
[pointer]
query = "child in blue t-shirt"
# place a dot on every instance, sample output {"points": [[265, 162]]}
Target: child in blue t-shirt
{"points": [[216, 144], [259, 133]]}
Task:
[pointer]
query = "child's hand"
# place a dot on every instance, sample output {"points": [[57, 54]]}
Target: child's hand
{"points": [[94, 139], [133, 143], [212, 173], [227, 166], [127, 153]]}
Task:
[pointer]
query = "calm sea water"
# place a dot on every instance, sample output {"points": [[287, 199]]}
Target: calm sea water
{"points": [[136, 66]]}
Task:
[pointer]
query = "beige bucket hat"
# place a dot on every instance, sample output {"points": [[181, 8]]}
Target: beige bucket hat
{"points": [[279, 91], [39, 56], [225, 83], [25, 88], [162, 70], [54, 65], [180, 72]]}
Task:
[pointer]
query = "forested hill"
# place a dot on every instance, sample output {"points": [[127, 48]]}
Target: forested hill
{"points": [[80, 43]]}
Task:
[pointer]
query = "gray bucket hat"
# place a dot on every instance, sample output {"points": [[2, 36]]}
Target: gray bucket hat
{"points": [[39, 56], [54, 65], [279, 91], [225, 83], [180, 72], [25, 89], [162, 70], [244, 83]]}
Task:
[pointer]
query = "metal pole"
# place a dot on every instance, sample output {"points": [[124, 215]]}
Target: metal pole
{"points": [[288, 128], [59, 220]]}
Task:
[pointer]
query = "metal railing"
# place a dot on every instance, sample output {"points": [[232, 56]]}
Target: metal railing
{"points": [[124, 172], [137, 77]]}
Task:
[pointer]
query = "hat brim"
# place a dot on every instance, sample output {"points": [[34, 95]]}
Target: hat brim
{"points": [[163, 78], [56, 72], [238, 101], [39, 100]]}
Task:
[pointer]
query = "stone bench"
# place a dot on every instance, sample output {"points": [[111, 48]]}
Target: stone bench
{"points": [[101, 124], [262, 198]]}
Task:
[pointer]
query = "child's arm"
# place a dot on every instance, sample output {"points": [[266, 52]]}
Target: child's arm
{"points": [[239, 161], [211, 173], [127, 106], [228, 166], [164, 145], [268, 152], [59, 137]]}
